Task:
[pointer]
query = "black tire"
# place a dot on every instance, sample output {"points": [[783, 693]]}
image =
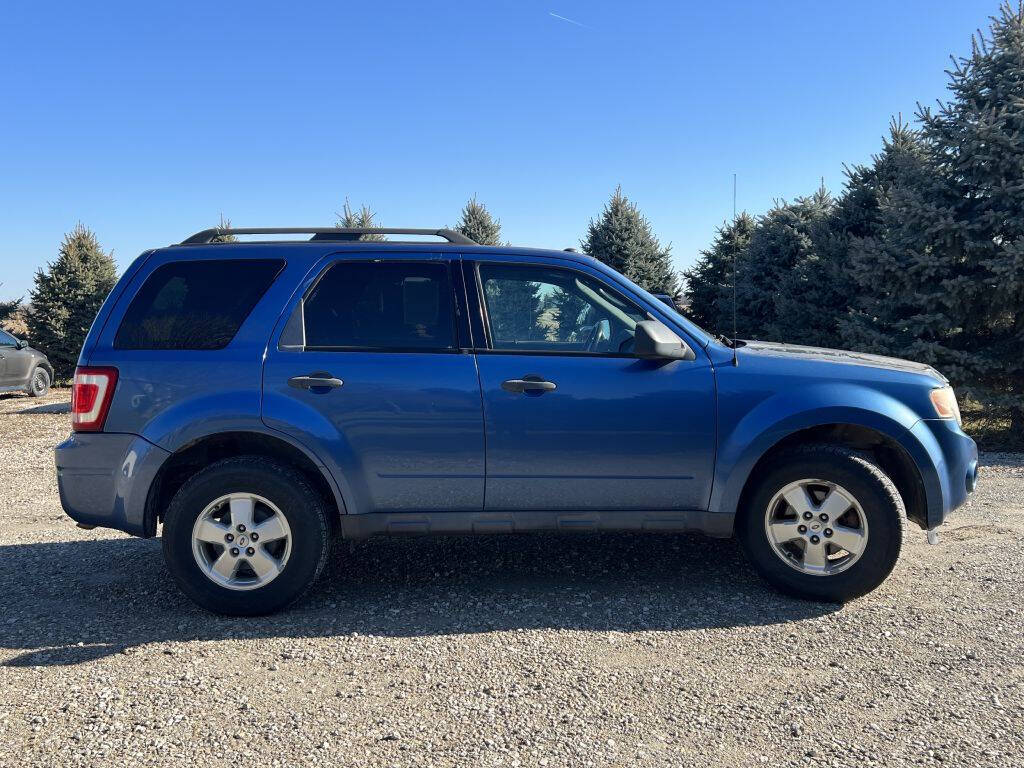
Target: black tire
{"points": [[38, 383], [304, 509], [873, 490]]}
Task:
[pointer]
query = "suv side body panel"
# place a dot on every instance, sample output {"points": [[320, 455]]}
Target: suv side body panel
{"points": [[168, 399], [18, 364], [619, 433], [403, 433], [761, 402]]}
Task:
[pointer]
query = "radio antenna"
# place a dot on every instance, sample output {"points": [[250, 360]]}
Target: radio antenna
{"points": [[735, 275]]}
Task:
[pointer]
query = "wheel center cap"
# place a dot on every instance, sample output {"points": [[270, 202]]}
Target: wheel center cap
{"points": [[243, 540]]}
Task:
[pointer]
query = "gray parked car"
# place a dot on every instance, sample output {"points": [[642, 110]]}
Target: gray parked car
{"points": [[22, 367]]}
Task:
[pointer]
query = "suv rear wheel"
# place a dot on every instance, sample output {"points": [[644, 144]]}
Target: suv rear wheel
{"points": [[824, 522], [246, 536]]}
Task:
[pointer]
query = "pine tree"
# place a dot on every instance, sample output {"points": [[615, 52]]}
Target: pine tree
{"points": [[67, 296], [807, 304], [7, 309], [622, 238], [357, 220], [953, 255], [782, 239], [224, 238], [882, 267], [478, 225], [711, 280]]}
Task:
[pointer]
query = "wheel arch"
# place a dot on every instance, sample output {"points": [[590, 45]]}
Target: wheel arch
{"points": [[887, 452], [45, 365], [201, 452]]}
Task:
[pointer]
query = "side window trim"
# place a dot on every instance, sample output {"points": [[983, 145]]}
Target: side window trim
{"points": [[485, 319], [334, 260]]}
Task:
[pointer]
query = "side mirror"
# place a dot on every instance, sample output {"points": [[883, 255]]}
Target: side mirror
{"points": [[655, 341], [21, 344]]}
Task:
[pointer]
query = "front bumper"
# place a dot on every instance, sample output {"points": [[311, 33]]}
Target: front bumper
{"points": [[104, 479], [954, 457]]}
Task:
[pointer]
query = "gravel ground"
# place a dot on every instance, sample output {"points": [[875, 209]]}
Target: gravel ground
{"points": [[522, 650]]}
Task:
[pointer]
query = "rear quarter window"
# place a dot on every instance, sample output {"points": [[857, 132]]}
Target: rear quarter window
{"points": [[195, 304]]}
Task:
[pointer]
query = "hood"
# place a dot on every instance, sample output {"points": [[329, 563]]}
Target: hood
{"points": [[822, 354]]}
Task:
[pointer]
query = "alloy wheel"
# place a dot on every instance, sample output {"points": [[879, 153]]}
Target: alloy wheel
{"points": [[816, 527], [241, 541]]}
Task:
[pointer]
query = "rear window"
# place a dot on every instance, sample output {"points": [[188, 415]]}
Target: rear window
{"points": [[381, 306], [195, 304]]}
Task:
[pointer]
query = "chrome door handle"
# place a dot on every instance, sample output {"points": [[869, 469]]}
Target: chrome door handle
{"points": [[315, 381], [528, 384]]}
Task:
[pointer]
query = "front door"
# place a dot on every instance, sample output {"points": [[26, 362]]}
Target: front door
{"points": [[8, 360], [369, 373], [574, 421]]}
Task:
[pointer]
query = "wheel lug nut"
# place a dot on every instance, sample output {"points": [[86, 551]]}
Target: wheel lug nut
{"points": [[240, 528], [234, 551], [823, 517], [229, 538], [802, 528], [808, 515], [815, 539], [254, 536], [828, 532], [250, 551]]}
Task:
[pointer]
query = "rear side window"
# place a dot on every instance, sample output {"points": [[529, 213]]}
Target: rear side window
{"points": [[195, 304], [392, 306]]}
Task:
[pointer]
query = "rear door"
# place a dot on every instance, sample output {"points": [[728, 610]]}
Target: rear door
{"points": [[373, 372], [15, 364], [574, 420]]}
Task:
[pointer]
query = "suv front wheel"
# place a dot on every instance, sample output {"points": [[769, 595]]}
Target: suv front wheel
{"points": [[824, 522], [246, 536]]}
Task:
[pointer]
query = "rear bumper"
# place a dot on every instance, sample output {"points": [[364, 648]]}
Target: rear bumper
{"points": [[104, 479], [954, 457]]}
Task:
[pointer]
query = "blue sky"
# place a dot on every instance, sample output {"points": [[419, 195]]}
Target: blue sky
{"points": [[147, 120]]}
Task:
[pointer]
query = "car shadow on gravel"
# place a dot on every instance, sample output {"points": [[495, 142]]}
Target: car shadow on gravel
{"points": [[72, 602]]}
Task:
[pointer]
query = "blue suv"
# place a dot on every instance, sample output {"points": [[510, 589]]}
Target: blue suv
{"points": [[259, 400]]}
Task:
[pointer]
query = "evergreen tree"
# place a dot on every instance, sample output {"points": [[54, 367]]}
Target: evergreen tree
{"points": [[358, 219], [954, 246], [782, 239], [224, 238], [622, 238], [710, 281], [67, 296], [7, 309], [478, 225], [808, 304], [882, 263]]}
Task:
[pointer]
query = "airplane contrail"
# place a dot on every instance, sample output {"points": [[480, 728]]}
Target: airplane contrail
{"points": [[563, 18]]}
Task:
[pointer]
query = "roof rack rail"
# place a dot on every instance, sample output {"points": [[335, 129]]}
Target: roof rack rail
{"points": [[344, 234]]}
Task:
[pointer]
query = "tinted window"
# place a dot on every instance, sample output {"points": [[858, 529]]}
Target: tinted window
{"points": [[555, 310], [195, 304], [374, 305], [6, 340]]}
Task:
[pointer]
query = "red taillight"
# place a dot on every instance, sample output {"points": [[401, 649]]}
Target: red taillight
{"points": [[90, 397]]}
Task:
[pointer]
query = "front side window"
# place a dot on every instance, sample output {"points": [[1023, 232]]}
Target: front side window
{"points": [[6, 340], [544, 309], [391, 306], [195, 304]]}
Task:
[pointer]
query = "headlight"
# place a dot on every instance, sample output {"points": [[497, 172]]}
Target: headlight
{"points": [[945, 404]]}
